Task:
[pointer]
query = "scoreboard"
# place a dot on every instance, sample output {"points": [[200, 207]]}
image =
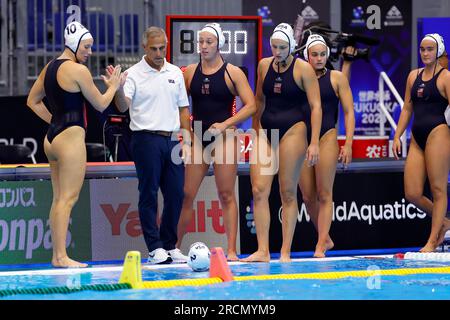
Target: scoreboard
{"points": [[243, 45], [242, 48]]}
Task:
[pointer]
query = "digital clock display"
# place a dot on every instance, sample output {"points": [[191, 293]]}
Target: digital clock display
{"points": [[236, 42], [242, 46]]}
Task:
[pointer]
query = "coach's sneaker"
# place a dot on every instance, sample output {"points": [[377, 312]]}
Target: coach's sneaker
{"points": [[159, 256], [177, 256]]}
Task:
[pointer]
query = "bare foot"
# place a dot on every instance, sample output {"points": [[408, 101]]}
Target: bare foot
{"points": [[66, 262], [329, 244], [322, 248], [285, 258], [443, 231], [320, 252], [429, 247], [232, 257], [258, 256]]}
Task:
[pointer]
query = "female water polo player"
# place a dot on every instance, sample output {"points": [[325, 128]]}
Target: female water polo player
{"points": [[67, 83], [427, 96]]}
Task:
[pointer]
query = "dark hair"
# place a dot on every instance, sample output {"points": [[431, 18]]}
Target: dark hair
{"points": [[320, 24]]}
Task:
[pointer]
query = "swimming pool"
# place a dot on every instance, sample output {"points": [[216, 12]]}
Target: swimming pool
{"points": [[429, 286]]}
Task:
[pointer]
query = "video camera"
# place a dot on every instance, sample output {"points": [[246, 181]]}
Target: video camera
{"points": [[336, 44], [343, 40]]}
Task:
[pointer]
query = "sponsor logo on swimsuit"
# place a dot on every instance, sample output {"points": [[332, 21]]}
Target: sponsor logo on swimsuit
{"points": [[277, 85], [205, 86], [420, 90]]}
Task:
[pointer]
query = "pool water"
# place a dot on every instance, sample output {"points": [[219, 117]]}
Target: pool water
{"points": [[376, 287]]}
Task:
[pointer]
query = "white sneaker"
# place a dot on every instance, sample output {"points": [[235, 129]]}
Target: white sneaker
{"points": [[177, 256], [159, 256]]}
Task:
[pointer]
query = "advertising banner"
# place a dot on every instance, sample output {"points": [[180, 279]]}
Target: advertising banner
{"points": [[208, 224], [274, 12], [368, 147], [390, 22], [116, 227], [369, 212], [25, 235]]}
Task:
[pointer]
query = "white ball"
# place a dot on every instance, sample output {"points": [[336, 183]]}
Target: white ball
{"points": [[199, 257]]}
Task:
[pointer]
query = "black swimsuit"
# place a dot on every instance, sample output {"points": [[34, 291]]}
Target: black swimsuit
{"points": [[330, 104], [212, 100], [284, 101], [428, 106], [67, 108]]}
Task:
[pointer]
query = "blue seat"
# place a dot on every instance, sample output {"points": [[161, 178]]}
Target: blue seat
{"points": [[45, 27], [55, 40], [66, 3], [129, 33], [101, 26], [37, 11]]}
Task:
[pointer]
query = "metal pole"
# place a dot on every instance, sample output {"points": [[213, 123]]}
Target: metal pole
{"points": [[381, 105], [10, 47]]}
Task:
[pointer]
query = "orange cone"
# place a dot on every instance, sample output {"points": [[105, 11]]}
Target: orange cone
{"points": [[219, 266]]}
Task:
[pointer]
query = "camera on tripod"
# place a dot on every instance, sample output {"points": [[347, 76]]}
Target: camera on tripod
{"points": [[114, 128]]}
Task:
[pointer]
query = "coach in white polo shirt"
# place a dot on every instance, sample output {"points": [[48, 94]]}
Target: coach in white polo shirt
{"points": [[155, 93]]}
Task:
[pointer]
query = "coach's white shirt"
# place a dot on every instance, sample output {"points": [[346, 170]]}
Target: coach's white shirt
{"points": [[156, 96]]}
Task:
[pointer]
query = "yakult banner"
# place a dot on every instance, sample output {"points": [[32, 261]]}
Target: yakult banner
{"points": [[116, 227], [369, 212], [25, 235], [208, 224], [390, 22]]}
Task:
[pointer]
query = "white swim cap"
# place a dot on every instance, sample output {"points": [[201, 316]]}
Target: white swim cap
{"points": [[73, 34], [284, 32], [314, 39], [436, 37], [216, 30]]}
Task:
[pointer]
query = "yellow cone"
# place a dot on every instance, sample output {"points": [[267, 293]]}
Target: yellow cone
{"points": [[131, 272]]}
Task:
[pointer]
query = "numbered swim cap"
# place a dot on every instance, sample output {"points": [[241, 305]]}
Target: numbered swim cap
{"points": [[73, 34]]}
